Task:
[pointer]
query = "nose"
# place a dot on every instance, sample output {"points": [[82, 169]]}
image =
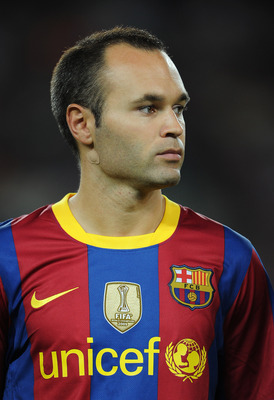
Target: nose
{"points": [[172, 125]]}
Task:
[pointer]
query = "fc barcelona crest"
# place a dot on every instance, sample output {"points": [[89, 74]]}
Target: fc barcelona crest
{"points": [[122, 305], [191, 287]]}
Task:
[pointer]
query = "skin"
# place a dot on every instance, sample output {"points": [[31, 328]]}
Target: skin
{"points": [[138, 148]]}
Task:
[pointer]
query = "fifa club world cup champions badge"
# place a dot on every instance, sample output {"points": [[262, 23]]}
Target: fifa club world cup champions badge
{"points": [[122, 305]]}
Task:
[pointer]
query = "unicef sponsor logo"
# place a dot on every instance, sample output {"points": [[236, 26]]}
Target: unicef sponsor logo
{"points": [[186, 360]]}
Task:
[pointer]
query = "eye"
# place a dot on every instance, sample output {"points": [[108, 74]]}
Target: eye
{"points": [[148, 109], [179, 109]]}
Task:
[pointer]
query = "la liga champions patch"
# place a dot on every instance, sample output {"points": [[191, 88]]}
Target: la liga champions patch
{"points": [[191, 287]]}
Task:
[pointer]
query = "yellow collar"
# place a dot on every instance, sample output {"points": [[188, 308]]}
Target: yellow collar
{"points": [[70, 225]]}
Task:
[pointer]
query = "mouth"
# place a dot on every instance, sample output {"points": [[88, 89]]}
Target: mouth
{"points": [[171, 154]]}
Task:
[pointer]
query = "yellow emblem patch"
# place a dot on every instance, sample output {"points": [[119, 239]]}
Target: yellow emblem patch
{"points": [[122, 305], [186, 360]]}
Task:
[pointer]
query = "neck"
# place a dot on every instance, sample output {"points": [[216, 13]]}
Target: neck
{"points": [[117, 210]]}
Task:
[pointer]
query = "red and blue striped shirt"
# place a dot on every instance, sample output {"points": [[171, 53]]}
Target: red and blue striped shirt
{"points": [[181, 313]]}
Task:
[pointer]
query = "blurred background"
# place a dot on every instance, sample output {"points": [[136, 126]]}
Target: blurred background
{"points": [[224, 51]]}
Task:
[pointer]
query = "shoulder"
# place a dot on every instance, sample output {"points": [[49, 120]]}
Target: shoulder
{"points": [[19, 235], [234, 243], [195, 220], [242, 268], [25, 219], [235, 252], [23, 224]]}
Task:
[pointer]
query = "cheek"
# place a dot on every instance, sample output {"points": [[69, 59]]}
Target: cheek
{"points": [[121, 143], [114, 148], [117, 138], [119, 155]]}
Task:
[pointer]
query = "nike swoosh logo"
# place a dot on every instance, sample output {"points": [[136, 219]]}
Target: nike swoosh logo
{"points": [[36, 303]]}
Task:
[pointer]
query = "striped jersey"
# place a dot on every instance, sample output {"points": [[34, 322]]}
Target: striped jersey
{"points": [[181, 313]]}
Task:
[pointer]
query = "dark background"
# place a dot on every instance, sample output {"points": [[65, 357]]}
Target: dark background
{"points": [[224, 51]]}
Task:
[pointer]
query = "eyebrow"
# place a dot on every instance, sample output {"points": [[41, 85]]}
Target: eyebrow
{"points": [[157, 98]]}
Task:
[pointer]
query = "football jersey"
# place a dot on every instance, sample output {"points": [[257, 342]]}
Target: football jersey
{"points": [[181, 313]]}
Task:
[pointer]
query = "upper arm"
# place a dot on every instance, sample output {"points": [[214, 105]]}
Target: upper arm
{"points": [[249, 337]]}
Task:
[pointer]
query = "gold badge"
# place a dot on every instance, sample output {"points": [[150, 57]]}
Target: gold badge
{"points": [[122, 305], [186, 360]]}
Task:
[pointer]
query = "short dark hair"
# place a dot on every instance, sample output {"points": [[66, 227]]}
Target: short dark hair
{"points": [[77, 77]]}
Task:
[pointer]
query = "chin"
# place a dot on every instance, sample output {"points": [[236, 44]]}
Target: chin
{"points": [[172, 178], [160, 179], [168, 181]]}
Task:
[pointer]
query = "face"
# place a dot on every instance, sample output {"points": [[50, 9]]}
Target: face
{"points": [[141, 139]]}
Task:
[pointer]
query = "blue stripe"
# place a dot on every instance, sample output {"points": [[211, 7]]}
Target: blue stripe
{"points": [[20, 376], [177, 293], [237, 257], [138, 266], [187, 301]]}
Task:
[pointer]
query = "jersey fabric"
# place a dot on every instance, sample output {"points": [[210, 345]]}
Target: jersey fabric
{"points": [[181, 313]]}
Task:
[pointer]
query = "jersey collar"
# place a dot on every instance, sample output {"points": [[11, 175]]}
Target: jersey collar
{"points": [[71, 226]]}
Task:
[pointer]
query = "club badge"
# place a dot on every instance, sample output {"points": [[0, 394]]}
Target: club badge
{"points": [[191, 287]]}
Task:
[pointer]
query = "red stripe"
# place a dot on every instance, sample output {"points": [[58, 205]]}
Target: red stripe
{"points": [[182, 294], [65, 320], [203, 246], [202, 297]]}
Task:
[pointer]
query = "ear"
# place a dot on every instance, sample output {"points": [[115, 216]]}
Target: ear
{"points": [[81, 123]]}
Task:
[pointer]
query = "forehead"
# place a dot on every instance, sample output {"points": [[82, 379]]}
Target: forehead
{"points": [[133, 71]]}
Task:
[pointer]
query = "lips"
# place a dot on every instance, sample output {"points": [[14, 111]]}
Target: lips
{"points": [[171, 154], [171, 151]]}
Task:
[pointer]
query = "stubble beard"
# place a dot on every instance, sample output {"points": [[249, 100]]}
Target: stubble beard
{"points": [[160, 181]]}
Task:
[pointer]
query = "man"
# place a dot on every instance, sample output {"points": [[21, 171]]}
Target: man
{"points": [[116, 292]]}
